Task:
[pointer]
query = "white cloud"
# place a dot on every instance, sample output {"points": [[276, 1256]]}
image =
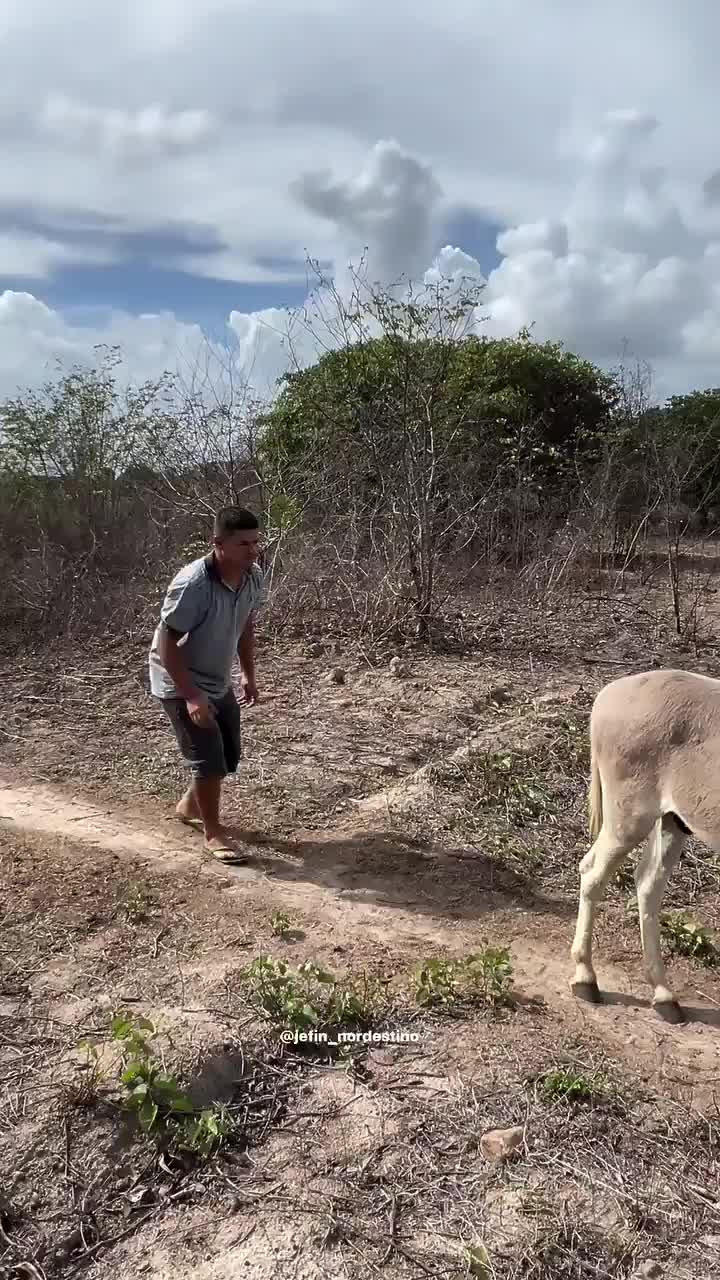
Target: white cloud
{"points": [[33, 337], [25, 254], [452, 264], [454, 85], [389, 208], [143, 135], [261, 121], [624, 264]]}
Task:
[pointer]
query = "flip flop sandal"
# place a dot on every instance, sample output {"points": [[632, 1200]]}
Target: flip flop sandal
{"points": [[225, 853], [194, 823]]}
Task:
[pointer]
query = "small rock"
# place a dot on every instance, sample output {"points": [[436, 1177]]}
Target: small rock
{"points": [[337, 675], [498, 1144]]}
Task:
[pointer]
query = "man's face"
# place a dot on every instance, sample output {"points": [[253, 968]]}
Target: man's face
{"points": [[238, 550]]}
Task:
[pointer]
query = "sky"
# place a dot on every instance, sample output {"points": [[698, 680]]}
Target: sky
{"points": [[169, 167]]}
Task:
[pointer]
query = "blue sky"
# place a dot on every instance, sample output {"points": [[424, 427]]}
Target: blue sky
{"points": [[144, 278], [135, 285]]}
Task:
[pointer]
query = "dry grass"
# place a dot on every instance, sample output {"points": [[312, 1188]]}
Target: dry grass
{"points": [[382, 1156], [370, 1159]]}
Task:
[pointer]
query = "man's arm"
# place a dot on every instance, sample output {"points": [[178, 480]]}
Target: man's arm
{"points": [[184, 607], [173, 660], [246, 650], [246, 643]]}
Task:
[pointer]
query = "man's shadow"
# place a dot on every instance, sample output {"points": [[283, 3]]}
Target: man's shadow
{"points": [[387, 868]]}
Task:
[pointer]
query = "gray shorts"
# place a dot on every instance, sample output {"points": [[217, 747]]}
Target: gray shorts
{"points": [[212, 752]]}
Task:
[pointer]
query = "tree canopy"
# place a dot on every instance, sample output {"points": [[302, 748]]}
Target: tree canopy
{"points": [[503, 402]]}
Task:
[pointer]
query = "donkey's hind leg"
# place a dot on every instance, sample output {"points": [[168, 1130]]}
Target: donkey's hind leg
{"points": [[596, 868], [657, 863]]}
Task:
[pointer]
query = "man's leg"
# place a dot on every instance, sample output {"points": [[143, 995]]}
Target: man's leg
{"points": [[228, 722], [227, 719], [206, 793], [203, 751], [201, 804], [187, 807]]}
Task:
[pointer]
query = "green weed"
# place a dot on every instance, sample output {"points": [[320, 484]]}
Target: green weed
{"points": [[164, 1111], [311, 996], [484, 975]]}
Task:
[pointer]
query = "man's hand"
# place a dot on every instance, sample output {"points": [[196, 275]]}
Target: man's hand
{"points": [[250, 691], [200, 711], [246, 654]]}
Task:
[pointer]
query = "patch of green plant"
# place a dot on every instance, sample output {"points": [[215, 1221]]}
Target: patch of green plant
{"points": [[681, 936], [138, 905], [508, 781], [509, 848], [566, 1084], [571, 745], [478, 1262], [280, 923], [311, 996], [486, 975], [164, 1111]]}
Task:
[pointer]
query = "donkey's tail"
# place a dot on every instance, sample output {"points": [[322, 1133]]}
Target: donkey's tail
{"points": [[595, 797]]}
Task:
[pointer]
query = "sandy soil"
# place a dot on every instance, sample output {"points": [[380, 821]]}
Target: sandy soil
{"points": [[379, 819]]}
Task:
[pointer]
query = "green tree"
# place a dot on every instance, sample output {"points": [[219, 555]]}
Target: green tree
{"points": [[412, 425], [688, 427], [72, 448], [510, 403]]}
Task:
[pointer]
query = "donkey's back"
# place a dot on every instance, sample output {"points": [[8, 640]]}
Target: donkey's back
{"points": [[655, 711], [655, 739]]}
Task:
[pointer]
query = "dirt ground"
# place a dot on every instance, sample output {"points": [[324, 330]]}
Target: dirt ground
{"points": [[393, 819]]}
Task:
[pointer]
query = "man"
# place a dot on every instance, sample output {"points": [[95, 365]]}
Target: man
{"points": [[206, 621]]}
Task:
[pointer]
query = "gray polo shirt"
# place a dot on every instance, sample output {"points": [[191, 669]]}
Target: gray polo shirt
{"points": [[211, 617]]}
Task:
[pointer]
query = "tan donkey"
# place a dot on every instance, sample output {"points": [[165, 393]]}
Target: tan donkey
{"points": [[655, 780]]}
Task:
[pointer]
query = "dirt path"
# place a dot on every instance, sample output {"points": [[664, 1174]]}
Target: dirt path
{"points": [[346, 879]]}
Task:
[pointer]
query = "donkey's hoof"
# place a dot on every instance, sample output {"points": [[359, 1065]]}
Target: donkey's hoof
{"points": [[669, 1011], [588, 991]]}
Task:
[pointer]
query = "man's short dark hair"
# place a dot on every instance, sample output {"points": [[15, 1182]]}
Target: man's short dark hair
{"points": [[232, 519]]}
